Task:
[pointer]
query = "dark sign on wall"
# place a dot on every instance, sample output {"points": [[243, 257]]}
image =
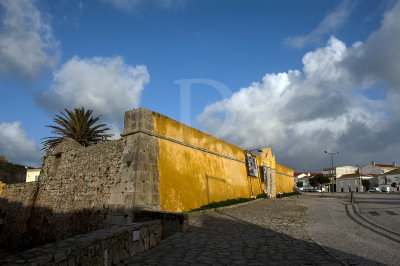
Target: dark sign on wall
{"points": [[265, 173], [252, 165]]}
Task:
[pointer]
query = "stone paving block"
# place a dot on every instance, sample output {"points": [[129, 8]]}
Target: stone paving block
{"points": [[265, 232]]}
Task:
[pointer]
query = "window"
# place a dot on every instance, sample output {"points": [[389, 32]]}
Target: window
{"points": [[36, 177]]}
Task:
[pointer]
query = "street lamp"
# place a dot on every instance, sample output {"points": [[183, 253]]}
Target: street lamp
{"points": [[331, 154]]}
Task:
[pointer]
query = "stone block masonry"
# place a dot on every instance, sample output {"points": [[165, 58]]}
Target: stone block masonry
{"points": [[11, 173], [16, 204], [102, 247]]}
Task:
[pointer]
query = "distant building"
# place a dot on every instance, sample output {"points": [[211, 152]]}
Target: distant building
{"points": [[351, 182], [32, 174], [304, 177], [336, 172], [387, 179], [377, 169]]}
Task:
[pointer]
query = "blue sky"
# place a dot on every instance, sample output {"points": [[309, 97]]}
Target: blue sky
{"points": [[298, 76]]}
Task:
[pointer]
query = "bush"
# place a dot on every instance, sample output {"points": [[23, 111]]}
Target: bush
{"points": [[224, 203], [262, 196]]}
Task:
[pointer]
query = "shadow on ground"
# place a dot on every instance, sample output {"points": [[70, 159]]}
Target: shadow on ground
{"points": [[228, 238]]}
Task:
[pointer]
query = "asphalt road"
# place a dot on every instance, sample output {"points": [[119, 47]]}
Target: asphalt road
{"points": [[381, 208], [350, 232]]}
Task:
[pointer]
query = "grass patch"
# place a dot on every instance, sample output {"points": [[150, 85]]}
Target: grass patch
{"points": [[223, 203]]}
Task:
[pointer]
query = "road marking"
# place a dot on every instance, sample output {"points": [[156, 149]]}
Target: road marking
{"points": [[391, 213], [372, 226]]}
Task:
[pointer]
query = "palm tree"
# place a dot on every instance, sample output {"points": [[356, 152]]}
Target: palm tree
{"points": [[78, 125]]}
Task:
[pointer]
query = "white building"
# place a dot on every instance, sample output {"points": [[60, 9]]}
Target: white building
{"points": [[32, 174], [377, 169], [351, 182], [337, 172], [387, 179], [304, 178]]}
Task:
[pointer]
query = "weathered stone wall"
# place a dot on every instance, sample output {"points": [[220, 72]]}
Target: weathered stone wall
{"points": [[102, 247], [11, 173], [16, 204], [74, 189]]}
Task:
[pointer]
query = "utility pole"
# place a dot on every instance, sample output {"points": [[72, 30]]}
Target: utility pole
{"points": [[331, 154]]}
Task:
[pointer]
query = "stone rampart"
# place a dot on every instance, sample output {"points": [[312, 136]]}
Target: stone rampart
{"points": [[11, 173], [16, 205]]}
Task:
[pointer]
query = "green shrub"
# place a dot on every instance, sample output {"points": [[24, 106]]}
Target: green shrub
{"points": [[262, 196], [224, 203]]}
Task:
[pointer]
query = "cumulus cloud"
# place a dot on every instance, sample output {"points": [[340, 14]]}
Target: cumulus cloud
{"points": [[27, 45], [131, 5], [332, 21], [106, 85], [17, 146], [323, 107]]}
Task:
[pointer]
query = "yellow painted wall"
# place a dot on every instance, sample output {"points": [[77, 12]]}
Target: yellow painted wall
{"points": [[1, 187], [284, 183], [31, 173], [190, 178]]}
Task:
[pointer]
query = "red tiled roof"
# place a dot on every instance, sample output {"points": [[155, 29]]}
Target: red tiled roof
{"points": [[385, 165], [353, 175]]}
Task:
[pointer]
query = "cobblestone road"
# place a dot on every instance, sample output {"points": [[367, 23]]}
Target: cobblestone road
{"points": [[263, 232]]}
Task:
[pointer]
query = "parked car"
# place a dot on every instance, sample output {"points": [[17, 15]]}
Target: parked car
{"points": [[385, 189], [374, 189]]}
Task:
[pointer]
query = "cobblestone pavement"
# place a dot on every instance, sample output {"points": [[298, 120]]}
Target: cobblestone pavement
{"points": [[263, 232]]}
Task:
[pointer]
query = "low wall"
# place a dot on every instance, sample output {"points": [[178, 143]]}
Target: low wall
{"points": [[102, 247], [171, 222]]}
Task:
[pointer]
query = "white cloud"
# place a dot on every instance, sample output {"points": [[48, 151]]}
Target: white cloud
{"points": [[131, 5], [17, 146], [106, 85], [332, 21], [323, 107], [27, 45]]}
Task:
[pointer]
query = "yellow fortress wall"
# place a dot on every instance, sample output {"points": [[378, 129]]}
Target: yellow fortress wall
{"points": [[284, 179], [191, 177], [191, 168], [1, 187]]}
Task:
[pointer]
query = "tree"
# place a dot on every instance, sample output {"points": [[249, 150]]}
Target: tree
{"points": [[299, 184], [323, 179], [313, 181], [366, 183], [78, 125], [393, 184]]}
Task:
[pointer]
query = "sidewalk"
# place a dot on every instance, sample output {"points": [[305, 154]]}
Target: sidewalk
{"points": [[266, 231]]}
